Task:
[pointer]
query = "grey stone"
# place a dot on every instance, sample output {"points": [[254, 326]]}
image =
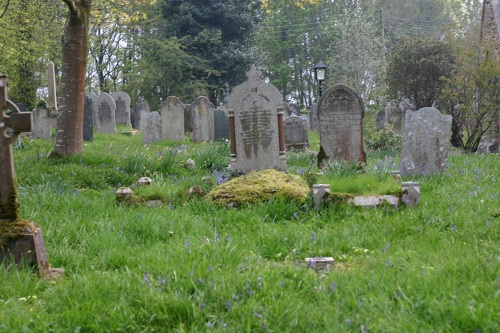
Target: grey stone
{"points": [[105, 120], [426, 142], [94, 98], [42, 124], [152, 128], [122, 111], [221, 125], [340, 113], [320, 191], [394, 116], [256, 121], [52, 87], [138, 114], [380, 119], [172, 119], [296, 133], [411, 193], [202, 120], [313, 118], [490, 141]]}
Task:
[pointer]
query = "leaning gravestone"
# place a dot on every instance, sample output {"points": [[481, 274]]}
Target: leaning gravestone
{"points": [[139, 113], [42, 124], [221, 125], [296, 133], [122, 112], [88, 116], [172, 119], [105, 122], [340, 113], [151, 130], [256, 124], [426, 142], [202, 120], [26, 243]]}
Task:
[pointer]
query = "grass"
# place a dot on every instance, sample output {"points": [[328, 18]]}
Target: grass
{"points": [[193, 267]]}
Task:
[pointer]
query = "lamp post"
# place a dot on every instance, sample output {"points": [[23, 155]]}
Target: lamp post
{"points": [[320, 73]]}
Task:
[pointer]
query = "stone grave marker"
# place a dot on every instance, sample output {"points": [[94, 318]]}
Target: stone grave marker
{"points": [[380, 119], [122, 111], [340, 113], [151, 131], [172, 119], [221, 124], [202, 120], [88, 116], [52, 88], [27, 245], [296, 133], [313, 118], [42, 124], [139, 113], [256, 125], [426, 142], [490, 141], [94, 98], [105, 122], [394, 116]]}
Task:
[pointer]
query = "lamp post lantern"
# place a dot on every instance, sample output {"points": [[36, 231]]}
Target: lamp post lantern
{"points": [[320, 73]]}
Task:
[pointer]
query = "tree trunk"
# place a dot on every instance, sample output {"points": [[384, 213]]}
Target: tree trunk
{"points": [[69, 137]]}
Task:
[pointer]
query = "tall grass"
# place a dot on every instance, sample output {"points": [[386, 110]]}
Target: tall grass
{"points": [[194, 267]]}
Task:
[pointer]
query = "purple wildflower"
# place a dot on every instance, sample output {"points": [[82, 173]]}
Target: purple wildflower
{"points": [[228, 305], [313, 237]]}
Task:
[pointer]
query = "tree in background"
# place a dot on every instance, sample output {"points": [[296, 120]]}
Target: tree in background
{"points": [[69, 137], [416, 68]]}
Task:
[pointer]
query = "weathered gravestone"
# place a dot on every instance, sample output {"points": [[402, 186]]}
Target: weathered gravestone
{"points": [[42, 124], [296, 133], [340, 113], [394, 116], [151, 130], [172, 119], [52, 88], [94, 99], [20, 241], [122, 111], [256, 124], [140, 111], [426, 142], [221, 124], [105, 120], [202, 120], [88, 116]]}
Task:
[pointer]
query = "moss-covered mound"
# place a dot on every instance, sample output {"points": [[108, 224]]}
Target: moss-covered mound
{"points": [[259, 186]]}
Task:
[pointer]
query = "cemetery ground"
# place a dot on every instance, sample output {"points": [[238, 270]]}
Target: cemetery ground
{"points": [[192, 266]]}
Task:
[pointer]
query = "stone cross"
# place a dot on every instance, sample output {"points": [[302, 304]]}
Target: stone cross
{"points": [[12, 122]]}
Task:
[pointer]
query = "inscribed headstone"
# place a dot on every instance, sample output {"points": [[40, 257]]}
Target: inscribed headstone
{"points": [[105, 120], [88, 116], [172, 119], [122, 112], [296, 133], [42, 124], [426, 142], [221, 124], [141, 109], [202, 120], [340, 113], [256, 121], [152, 128]]}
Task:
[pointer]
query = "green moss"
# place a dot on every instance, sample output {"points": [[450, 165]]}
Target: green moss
{"points": [[10, 210], [259, 186], [13, 230]]}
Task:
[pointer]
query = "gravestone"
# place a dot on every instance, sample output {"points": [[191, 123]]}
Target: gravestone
{"points": [[88, 116], [202, 120], [122, 111], [394, 116], [151, 131], [27, 245], [105, 120], [256, 125], [426, 142], [94, 99], [380, 119], [221, 124], [139, 113], [172, 119], [296, 133], [313, 118], [490, 141], [42, 124], [340, 113], [294, 109], [52, 88]]}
